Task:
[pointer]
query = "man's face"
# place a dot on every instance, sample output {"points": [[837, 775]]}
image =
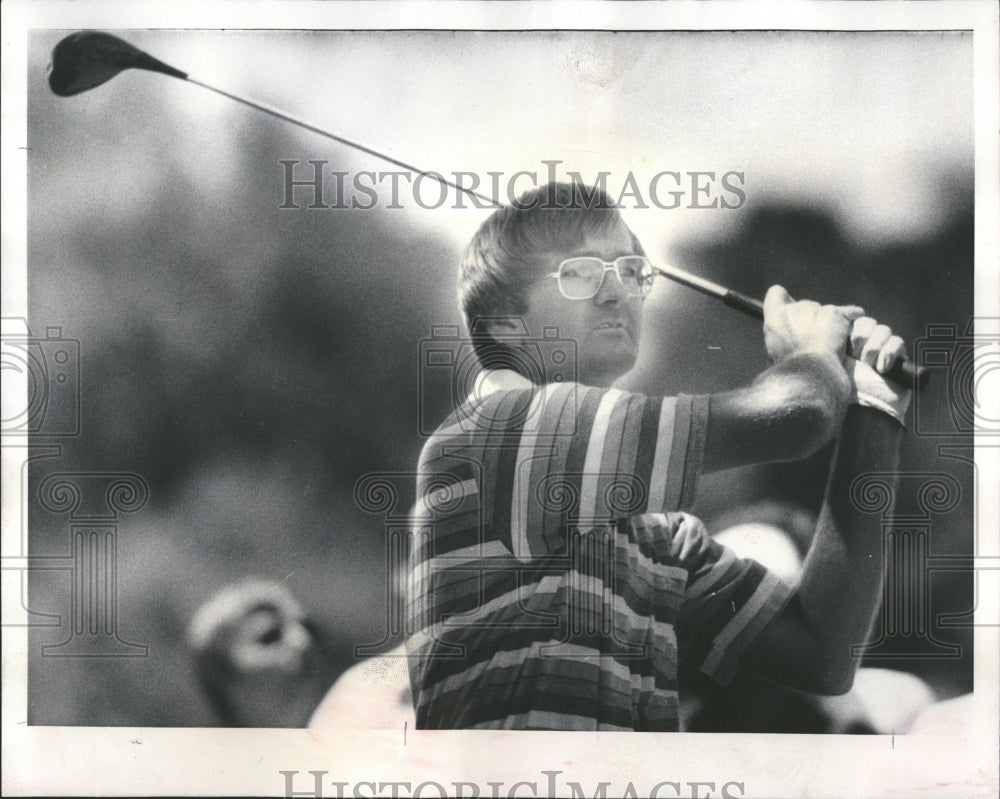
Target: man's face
{"points": [[605, 327]]}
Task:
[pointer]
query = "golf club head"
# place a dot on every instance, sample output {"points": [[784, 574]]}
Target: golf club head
{"points": [[87, 59]]}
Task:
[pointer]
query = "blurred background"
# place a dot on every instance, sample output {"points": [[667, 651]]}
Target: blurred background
{"points": [[252, 363]]}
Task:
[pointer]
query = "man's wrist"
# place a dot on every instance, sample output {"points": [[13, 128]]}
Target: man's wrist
{"points": [[869, 401], [825, 368], [870, 389]]}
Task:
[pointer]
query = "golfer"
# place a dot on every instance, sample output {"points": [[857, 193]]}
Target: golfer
{"points": [[557, 578]]}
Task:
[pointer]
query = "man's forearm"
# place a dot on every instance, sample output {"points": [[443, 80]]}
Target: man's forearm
{"points": [[842, 578], [789, 412]]}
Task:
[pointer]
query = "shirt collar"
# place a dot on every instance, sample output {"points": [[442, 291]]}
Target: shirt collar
{"points": [[492, 380]]}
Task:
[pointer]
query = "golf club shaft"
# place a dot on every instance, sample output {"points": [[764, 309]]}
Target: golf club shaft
{"points": [[269, 109], [903, 372]]}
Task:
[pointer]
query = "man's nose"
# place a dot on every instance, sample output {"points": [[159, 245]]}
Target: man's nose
{"points": [[612, 289]]}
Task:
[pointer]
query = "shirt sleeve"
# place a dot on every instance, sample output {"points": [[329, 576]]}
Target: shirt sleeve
{"points": [[635, 454], [728, 601]]}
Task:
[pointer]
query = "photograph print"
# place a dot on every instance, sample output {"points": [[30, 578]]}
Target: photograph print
{"points": [[463, 379]]}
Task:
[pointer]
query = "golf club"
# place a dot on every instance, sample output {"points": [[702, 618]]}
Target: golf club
{"points": [[905, 373], [86, 59]]}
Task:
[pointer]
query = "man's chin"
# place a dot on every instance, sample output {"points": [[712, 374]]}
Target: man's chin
{"points": [[604, 371]]}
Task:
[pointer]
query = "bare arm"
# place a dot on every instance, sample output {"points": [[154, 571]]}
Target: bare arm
{"points": [[808, 645], [803, 401], [788, 413]]}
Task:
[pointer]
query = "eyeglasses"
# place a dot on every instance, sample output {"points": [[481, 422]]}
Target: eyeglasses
{"points": [[582, 277]]}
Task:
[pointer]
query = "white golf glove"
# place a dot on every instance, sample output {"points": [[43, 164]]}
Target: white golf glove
{"points": [[872, 351]]}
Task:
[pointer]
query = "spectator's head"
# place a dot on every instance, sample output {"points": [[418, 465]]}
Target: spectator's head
{"points": [[796, 522], [767, 544], [515, 282], [882, 701], [256, 656]]}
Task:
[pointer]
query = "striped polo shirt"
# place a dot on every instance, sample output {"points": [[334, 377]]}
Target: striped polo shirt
{"points": [[555, 580]]}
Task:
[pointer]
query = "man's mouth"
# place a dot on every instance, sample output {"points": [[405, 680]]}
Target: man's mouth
{"points": [[611, 324]]}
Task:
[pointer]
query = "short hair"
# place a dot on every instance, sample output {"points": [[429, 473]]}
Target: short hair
{"points": [[507, 251], [214, 628]]}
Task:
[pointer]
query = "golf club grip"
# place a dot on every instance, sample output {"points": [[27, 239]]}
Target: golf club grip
{"points": [[906, 373], [741, 302]]}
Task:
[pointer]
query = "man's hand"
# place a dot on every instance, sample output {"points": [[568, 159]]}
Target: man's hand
{"points": [[873, 351], [796, 406], [792, 327]]}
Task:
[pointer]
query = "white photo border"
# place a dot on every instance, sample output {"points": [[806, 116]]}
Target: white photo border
{"points": [[116, 761]]}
